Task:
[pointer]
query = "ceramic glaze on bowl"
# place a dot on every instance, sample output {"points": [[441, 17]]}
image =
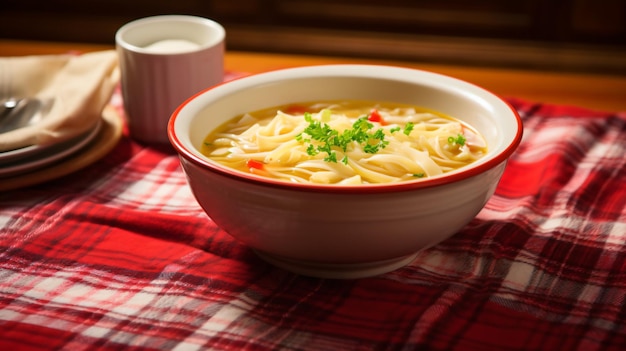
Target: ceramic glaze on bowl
{"points": [[343, 231]]}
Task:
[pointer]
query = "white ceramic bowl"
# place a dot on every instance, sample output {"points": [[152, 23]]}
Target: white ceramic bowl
{"points": [[336, 231]]}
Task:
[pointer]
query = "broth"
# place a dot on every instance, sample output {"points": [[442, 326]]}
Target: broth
{"points": [[345, 142]]}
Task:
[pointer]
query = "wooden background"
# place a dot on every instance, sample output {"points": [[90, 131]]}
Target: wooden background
{"points": [[566, 35]]}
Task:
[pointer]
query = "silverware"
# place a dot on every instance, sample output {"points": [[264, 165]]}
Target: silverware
{"points": [[8, 105], [16, 113]]}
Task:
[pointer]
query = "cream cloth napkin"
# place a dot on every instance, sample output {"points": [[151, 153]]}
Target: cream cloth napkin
{"points": [[78, 87]]}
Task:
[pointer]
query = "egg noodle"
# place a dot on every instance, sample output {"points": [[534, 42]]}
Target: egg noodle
{"points": [[347, 142]]}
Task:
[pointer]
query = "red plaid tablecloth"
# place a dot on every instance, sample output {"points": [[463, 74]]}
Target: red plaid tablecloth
{"points": [[120, 256]]}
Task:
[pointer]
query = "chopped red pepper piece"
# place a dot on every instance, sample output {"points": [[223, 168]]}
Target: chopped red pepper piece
{"points": [[375, 117], [297, 109], [254, 164]]}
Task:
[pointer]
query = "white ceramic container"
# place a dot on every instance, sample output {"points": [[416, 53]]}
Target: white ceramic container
{"points": [[164, 60]]}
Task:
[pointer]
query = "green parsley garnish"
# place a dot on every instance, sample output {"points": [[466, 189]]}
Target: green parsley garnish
{"points": [[408, 128], [460, 140], [326, 113], [419, 175], [327, 139]]}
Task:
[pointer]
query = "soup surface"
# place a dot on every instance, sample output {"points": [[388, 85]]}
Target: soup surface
{"points": [[345, 142]]}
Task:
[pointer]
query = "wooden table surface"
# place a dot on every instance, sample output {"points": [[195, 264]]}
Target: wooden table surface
{"points": [[595, 91]]}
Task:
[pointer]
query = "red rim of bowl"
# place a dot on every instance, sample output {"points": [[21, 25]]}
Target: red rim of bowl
{"points": [[446, 178]]}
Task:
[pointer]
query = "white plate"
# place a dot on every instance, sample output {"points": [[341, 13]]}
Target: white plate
{"points": [[21, 153], [34, 157], [12, 156], [108, 137]]}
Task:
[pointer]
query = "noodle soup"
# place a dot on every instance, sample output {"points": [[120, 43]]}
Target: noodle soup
{"points": [[345, 142]]}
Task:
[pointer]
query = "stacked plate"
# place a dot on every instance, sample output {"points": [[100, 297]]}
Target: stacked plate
{"points": [[30, 158], [40, 163]]}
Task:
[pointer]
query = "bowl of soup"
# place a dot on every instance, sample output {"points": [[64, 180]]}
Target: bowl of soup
{"points": [[343, 171]]}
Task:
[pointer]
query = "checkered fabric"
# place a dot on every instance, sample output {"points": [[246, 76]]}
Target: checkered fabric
{"points": [[120, 256]]}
